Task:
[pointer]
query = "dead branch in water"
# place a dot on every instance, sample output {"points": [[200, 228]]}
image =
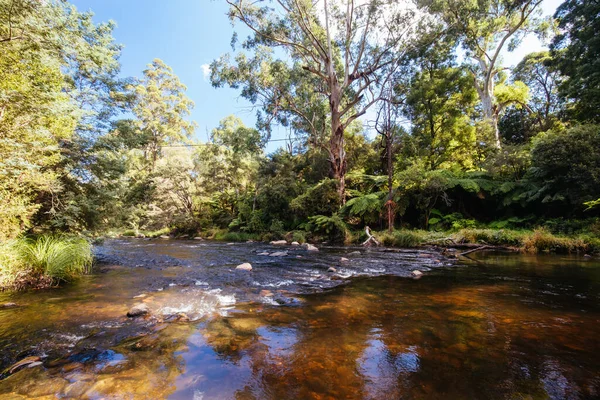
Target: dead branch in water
{"points": [[371, 238], [485, 247]]}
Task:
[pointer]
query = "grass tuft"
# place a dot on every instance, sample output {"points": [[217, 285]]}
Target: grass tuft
{"points": [[44, 260]]}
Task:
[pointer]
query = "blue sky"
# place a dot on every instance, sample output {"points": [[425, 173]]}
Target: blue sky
{"points": [[189, 34]]}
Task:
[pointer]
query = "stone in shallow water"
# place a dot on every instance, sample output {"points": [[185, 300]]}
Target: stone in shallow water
{"points": [[331, 269], [244, 267], [138, 310], [279, 254], [279, 242], [416, 274], [344, 259], [295, 244], [310, 247]]}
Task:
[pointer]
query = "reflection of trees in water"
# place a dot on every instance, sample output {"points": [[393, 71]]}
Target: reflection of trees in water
{"points": [[373, 340], [144, 366], [377, 338]]}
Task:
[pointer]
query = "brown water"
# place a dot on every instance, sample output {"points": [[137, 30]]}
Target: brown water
{"points": [[501, 326]]}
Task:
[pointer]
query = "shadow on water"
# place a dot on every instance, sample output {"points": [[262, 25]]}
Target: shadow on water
{"points": [[500, 326]]}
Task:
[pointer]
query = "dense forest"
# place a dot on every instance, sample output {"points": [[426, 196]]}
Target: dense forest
{"points": [[401, 116]]}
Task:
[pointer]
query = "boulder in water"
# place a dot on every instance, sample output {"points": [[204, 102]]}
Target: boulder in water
{"points": [[416, 274], [295, 244], [244, 267], [331, 269], [310, 247], [354, 253], [279, 254], [344, 259], [198, 238], [264, 253], [279, 242], [138, 310], [165, 237]]}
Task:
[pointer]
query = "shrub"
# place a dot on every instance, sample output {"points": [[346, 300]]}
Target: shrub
{"points": [[234, 236], [334, 227], [542, 240], [44, 260], [402, 238], [501, 237], [299, 236]]}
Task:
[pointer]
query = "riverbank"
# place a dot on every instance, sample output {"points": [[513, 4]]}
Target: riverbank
{"points": [[524, 240]]}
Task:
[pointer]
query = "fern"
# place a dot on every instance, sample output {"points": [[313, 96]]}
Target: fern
{"points": [[364, 205]]}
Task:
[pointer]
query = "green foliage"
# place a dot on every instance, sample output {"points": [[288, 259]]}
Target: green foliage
{"points": [[333, 227], [402, 238], [575, 50], [319, 199], [454, 221], [591, 204], [566, 165], [233, 236], [367, 207], [46, 258], [161, 107]]}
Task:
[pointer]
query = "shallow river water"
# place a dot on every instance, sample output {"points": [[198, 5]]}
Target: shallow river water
{"points": [[496, 326]]}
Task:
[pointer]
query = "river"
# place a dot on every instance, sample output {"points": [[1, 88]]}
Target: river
{"points": [[493, 326]]}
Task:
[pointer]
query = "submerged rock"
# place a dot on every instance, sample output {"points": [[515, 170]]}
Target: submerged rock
{"points": [[279, 242], [138, 310], [264, 253], [182, 317], [26, 361], [279, 254], [354, 253], [244, 267], [416, 274]]}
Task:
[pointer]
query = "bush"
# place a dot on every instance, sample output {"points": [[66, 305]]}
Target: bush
{"points": [[402, 238], [234, 236], [566, 166], [299, 236], [333, 227], [542, 240], [44, 260], [502, 237]]}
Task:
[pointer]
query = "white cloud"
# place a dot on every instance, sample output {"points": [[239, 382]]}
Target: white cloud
{"points": [[205, 71]]}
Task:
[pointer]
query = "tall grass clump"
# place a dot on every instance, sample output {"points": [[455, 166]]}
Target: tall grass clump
{"points": [[542, 240], [402, 238], [44, 260]]}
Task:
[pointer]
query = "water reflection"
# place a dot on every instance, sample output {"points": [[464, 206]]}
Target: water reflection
{"points": [[503, 327]]}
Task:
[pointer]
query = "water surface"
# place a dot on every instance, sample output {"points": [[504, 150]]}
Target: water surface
{"points": [[500, 325]]}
